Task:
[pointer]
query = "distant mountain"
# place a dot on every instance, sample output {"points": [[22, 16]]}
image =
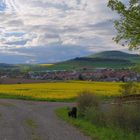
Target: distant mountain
{"points": [[3, 65], [134, 58], [114, 54], [107, 59], [22, 67]]}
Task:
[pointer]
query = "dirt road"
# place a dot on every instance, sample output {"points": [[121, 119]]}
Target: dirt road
{"points": [[28, 120]]}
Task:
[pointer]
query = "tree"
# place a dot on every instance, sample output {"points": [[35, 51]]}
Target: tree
{"points": [[128, 25], [80, 77], [136, 68], [130, 88]]}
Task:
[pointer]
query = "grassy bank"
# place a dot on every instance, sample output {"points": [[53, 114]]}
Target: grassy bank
{"points": [[96, 132]]}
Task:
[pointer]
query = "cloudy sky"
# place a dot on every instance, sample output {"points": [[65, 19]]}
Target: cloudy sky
{"points": [[46, 31]]}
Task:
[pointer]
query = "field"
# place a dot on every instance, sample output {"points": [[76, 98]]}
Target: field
{"points": [[58, 91], [80, 63], [46, 65]]}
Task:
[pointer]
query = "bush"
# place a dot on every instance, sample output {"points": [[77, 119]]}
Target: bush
{"points": [[126, 116], [121, 115], [87, 100], [95, 116], [130, 88], [116, 115]]}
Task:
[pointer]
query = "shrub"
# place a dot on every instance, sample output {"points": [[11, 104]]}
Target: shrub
{"points": [[126, 116], [116, 115], [133, 117], [122, 115], [130, 88], [87, 100], [95, 116]]}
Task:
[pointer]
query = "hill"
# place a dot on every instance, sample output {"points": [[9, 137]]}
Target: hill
{"points": [[20, 68], [134, 58], [113, 54], [5, 66], [107, 59]]}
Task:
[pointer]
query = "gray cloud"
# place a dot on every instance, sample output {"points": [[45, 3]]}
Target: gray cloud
{"points": [[47, 53], [55, 30]]}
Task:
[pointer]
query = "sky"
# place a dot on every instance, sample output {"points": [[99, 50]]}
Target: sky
{"points": [[48, 31]]}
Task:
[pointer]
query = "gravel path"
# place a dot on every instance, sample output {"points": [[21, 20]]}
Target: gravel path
{"points": [[28, 120]]}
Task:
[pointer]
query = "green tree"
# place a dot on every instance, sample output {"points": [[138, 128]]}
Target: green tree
{"points": [[136, 68], [130, 88], [128, 25]]}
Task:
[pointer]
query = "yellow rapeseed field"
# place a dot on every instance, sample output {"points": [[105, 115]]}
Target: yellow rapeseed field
{"points": [[58, 90], [46, 65]]}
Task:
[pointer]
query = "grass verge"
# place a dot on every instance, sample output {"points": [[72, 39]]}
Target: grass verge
{"points": [[30, 98], [96, 132]]}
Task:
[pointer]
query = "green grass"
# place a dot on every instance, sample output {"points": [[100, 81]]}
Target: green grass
{"points": [[30, 98], [96, 132]]}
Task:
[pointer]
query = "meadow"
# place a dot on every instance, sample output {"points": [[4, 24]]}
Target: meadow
{"points": [[58, 91]]}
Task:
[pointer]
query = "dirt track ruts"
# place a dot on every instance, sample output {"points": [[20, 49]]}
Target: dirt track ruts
{"points": [[29, 120]]}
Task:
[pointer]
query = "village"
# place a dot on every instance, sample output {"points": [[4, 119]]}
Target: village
{"points": [[101, 74], [98, 74]]}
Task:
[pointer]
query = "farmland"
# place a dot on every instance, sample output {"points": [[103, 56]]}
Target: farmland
{"points": [[58, 91]]}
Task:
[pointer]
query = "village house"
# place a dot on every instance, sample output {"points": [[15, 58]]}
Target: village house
{"points": [[94, 75]]}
